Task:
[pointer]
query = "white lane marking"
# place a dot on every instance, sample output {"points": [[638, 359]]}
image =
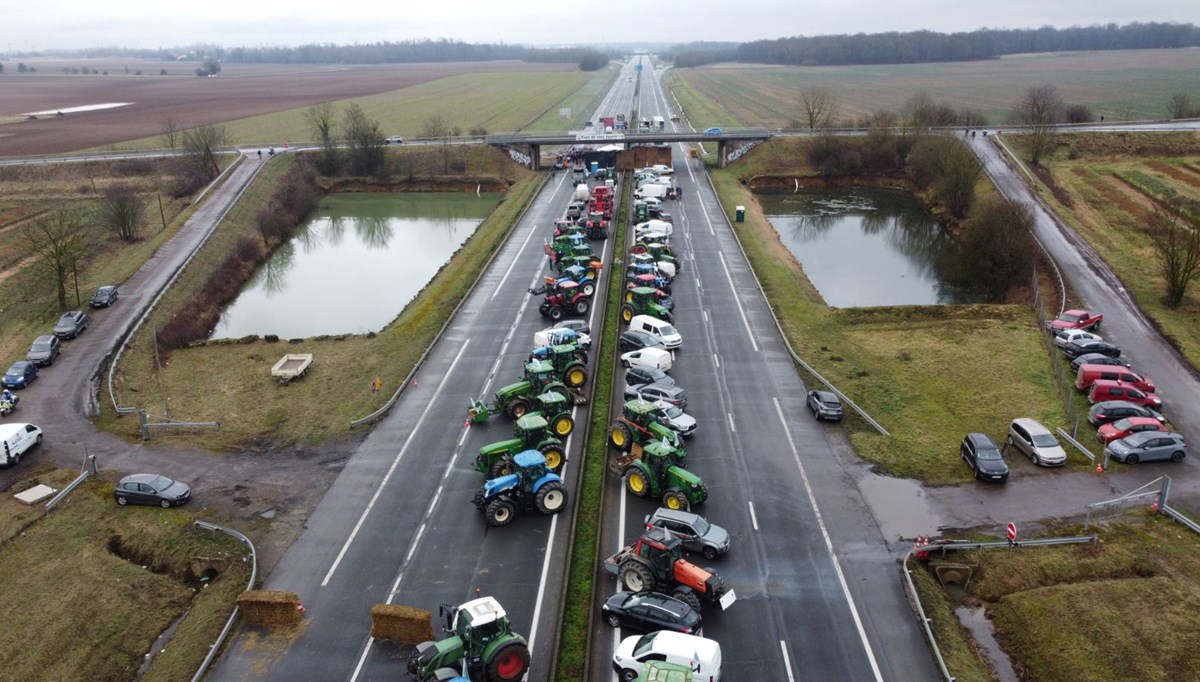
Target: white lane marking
{"points": [[787, 661], [706, 316], [513, 263], [753, 516], [732, 428], [837, 566], [395, 463], [738, 300], [717, 360]]}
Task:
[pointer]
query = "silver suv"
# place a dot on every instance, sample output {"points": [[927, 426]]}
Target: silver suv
{"points": [[697, 534], [1036, 442]]}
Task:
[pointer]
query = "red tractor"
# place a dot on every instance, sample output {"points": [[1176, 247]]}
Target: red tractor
{"points": [[566, 299], [655, 563]]}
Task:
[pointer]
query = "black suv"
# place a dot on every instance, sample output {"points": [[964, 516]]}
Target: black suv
{"points": [[636, 340], [1111, 410], [984, 458], [44, 350], [636, 376], [71, 324]]}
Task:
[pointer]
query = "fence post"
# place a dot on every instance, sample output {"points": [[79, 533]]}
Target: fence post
{"points": [[142, 423]]}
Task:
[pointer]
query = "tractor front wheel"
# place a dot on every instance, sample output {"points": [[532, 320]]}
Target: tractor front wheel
{"points": [[588, 288], [620, 437], [508, 662], [636, 482], [501, 512], [582, 306], [517, 408], [627, 313], [675, 499], [688, 596], [555, 313], [636, 577], [551, 498], [575, 376], [554, 457], [502, 467], [562, 425]]}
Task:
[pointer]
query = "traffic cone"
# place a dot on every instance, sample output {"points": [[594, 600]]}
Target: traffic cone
{"points": [[467, 423], [301, 609], [415, 383], [1099, 467], [1154, 507]]}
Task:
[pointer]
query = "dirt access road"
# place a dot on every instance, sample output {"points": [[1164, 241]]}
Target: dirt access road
{"points": [[266, 495]]}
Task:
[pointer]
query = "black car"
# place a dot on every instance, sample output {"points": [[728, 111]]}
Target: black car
{"points": [[1076, 348], [151, 489], [1095, 359], [655, 392], [104, 297], [650, 611], [984, 458], [21, 374], [636, 340], [825, 405], [71, 324], [1107, 411], [636, 376], [44, 350]]}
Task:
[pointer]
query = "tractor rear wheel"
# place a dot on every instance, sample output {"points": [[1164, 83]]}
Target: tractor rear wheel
{"points": [[588, 288], [562, 425], [575, 375], [636, 576], [502, 467], [508, 663], [517, 408], [675, 499], [627, 313], [688, 596], [501, 512], [620, 437], [582, 305], [555, 313], [636, 481], [554, 457], [551, 498]]}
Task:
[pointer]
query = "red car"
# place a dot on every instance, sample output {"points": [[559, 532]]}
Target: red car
{"points": [[1128, 426], [1076, 319]]}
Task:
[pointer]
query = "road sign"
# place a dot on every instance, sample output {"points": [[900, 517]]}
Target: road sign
{"points": [[1012, 532]]}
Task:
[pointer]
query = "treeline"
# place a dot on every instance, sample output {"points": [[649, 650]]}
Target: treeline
{"points": [[928, 46]]}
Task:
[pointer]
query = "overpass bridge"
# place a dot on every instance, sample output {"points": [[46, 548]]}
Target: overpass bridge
{"points": [[724, 139]]}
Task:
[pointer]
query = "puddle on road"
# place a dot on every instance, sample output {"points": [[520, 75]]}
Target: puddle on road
{"points": [[899, 506], [975, 619]]}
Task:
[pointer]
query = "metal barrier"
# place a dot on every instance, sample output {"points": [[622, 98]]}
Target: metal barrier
{"points": [[216, 646], [1119, 502], [84, 475], [1079, 446]]}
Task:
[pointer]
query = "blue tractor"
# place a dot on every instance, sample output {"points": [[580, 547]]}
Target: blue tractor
{"points": [[530, 486]]}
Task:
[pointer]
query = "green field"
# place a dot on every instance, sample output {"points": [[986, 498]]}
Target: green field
{"points": [[1120, 85]]}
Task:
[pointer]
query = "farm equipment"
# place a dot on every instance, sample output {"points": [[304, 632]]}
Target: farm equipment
{"points": [[562, 336], [569, 362], [595, 226], [667, 267], [566, 299], [590, 263], [646, 301], [517, 399], [653, 470], [655, 562], [586, 279], [532, 432], [527, 487], [565, 227], [639, 425], [647, 279], [481, 646]]}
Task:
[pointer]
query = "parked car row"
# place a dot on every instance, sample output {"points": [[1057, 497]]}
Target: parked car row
{"points": [[46, 347]]}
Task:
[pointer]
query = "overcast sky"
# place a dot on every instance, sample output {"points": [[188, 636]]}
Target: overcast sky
{"points": [[62, 24]]}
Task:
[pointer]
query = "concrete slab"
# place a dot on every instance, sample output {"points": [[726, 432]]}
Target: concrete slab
{"points": [[35, 494]]}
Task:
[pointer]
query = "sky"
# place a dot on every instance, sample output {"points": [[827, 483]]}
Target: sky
{"points": [[74, 24]]}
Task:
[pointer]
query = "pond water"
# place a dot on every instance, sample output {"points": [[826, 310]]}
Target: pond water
{"points": [[355, 265], [864, 247]]}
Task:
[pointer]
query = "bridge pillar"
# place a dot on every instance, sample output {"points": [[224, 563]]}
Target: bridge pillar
{"points": [[535, 153], [720, 153]]}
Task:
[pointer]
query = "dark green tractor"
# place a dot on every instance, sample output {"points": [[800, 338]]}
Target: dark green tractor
{"points": [[524, 396], [655, 473], [645, 301], [639, 425], [569, 362], [481, 638], [532, 432]]}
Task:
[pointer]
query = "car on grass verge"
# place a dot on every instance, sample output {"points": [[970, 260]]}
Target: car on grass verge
{"points": [[71, 324], [1062, 338], [1128, 426], [984, 458], [151, 489], [20, 374], [44, 349], [1107, 389], [825, 405], [1076, 348], [1076, 319], [650, 611], [695, 532], [1036, 442], [1112, 410], [675, 418], [1147, 446], [656, 392], [104, 297], [1096, 359]]}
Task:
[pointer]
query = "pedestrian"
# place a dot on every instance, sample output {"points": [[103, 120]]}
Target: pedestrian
{"points": [[678, 192], [260, 155]]}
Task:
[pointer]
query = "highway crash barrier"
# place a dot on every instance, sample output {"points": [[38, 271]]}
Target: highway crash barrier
{"points": [[270, 608], [401, 624]]}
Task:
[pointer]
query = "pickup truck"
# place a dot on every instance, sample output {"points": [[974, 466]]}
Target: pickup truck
{"points": [[1076, 319]]}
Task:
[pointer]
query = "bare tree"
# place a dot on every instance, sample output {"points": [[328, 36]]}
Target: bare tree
{"points": [[171, 130], [198, 163], [120, 210], [1040, 108], [435, 127], [1180, 106], [59, 240], [1176, 235], [995, 251], [821, 107], [920, 113], [364, 141], [320, 118]]}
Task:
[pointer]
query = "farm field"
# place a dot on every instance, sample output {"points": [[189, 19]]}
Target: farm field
{"points": [[1120, 85], [240, 91]]}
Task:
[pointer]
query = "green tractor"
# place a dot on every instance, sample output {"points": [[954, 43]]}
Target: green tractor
{"points": [[645, 301], [527, 395], [568, 360], [639, 425], [481, 646], [532, 433], [653, 470]]}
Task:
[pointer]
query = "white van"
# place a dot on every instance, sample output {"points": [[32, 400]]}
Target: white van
{"points": [[652, 358], [663, 331], [702, 655], [17, 439], [651, 191]]}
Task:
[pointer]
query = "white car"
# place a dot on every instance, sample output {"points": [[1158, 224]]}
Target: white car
{"points": [[1066, 336], [1036, 442], [660, 169], [673, 416], [554, 336], [394, 139], [659, 227]]}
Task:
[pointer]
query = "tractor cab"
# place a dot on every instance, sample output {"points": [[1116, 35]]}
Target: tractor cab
{"points": [[660, 549], [530, 465], [660, 455], [532, 428], [588, 262], [645, 298], [553, 402], [648, 279], [539, 373]]}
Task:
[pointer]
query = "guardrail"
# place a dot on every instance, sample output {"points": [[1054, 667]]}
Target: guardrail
{"points": [[215, 647], [1080, 447], [84, 475]]}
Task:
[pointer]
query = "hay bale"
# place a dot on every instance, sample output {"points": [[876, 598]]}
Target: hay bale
{"points": [[272, 608], [402, 624]]}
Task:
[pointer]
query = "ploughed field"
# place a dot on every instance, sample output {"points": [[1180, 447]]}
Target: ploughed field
{"points": [[239, 91]]}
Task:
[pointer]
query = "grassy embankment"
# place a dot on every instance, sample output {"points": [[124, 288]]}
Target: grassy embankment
{"points": [[582, 103], [1106, 186], [91, 586], [1120, 85], [231, 383], [574, 634]]}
